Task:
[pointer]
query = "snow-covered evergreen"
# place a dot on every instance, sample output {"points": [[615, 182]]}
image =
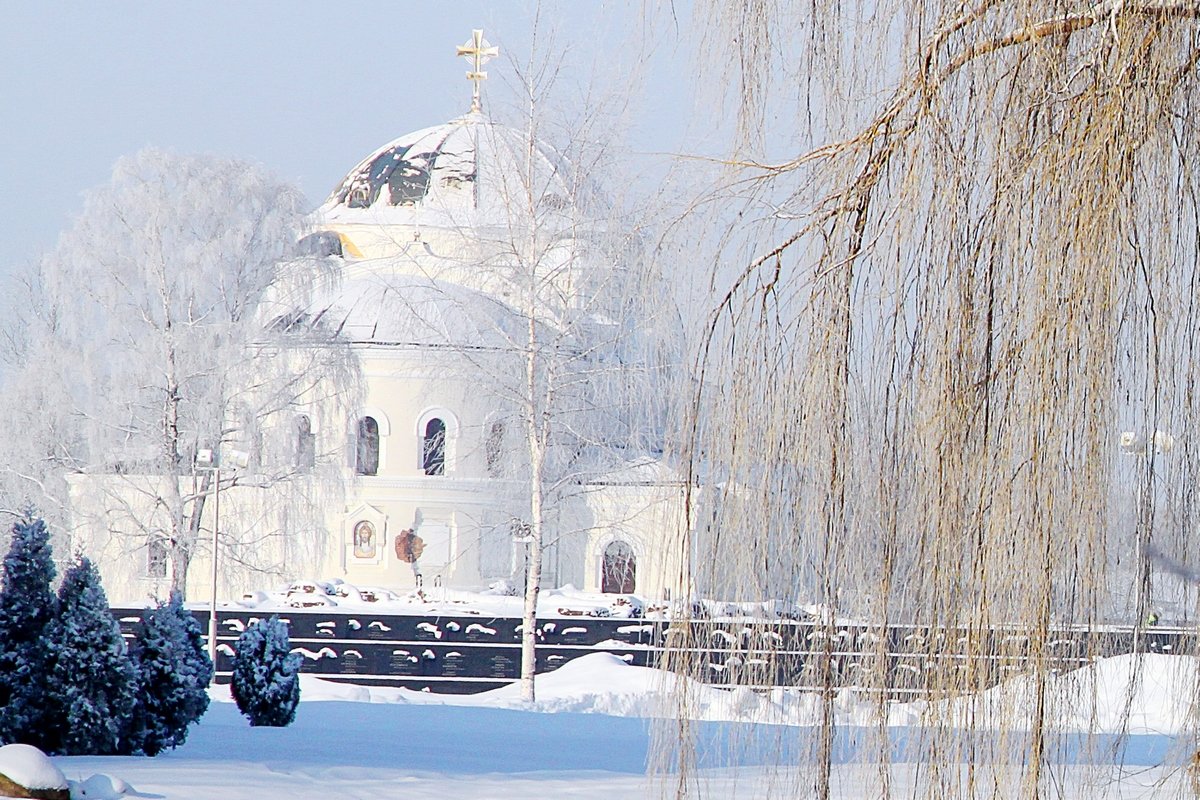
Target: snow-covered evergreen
{"points": [[173, 672], [266, 674], [27, 605], [90, 683]]}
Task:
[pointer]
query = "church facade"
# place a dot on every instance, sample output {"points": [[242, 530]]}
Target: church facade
{"points": [[475, 279]]}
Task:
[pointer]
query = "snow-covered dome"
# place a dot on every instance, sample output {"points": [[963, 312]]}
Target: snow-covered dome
{"points": [[466, 173], [410, 310]]}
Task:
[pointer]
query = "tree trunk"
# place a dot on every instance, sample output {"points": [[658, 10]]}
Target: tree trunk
{"points": [[536, 441], [181, 559], [533, 586]]}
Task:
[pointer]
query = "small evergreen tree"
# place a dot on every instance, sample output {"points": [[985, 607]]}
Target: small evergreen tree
{"points": [[266, 674], [89, 686], [173, 673], [27, 605]]}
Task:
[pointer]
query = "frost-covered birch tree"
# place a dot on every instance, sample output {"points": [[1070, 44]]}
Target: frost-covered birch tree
{"points": [[598, 326], [147, 344], [965, 264]]}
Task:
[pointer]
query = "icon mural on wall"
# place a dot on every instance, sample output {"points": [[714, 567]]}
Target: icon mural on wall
{"points": [[364, 540]]}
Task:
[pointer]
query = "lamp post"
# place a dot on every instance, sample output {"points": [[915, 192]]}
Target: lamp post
{"points": [[1133, 443], [210, 461]]}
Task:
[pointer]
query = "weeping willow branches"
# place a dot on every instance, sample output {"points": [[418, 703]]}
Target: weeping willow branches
{"points": [[938, 317]]}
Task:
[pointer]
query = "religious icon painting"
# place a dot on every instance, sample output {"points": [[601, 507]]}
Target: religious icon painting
{"points": [[364, 540]]}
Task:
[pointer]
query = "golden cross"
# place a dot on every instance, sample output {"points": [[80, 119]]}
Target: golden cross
{"points": [[479, 52]]}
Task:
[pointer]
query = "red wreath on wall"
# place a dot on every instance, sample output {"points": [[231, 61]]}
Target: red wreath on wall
{"points": [[409, 546]]}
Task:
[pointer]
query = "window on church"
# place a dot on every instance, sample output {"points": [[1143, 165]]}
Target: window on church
{"points": [[320, 244], [366, 461], [306, 444], [408, 183], [406, 176], [156, 558], [433, 447], [494, 449], [619, 571]]}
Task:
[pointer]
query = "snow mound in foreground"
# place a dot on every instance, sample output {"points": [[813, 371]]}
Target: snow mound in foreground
{"points": [[1148, 693], [597, 683], [30, 767], [1122, 694], [101, 787]]}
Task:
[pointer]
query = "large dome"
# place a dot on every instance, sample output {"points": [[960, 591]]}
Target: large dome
{"points": [[467, 173]]}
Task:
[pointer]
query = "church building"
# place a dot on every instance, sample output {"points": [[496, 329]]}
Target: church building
{"points": [[500, 324]]}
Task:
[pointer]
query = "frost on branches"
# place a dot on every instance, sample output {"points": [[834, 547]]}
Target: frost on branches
{"points": [[266, 674], [146, 322]]}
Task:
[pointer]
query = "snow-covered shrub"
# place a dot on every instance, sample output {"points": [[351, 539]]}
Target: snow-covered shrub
{"points": [[26, 606], [90, 683], [266, 674], [173, 673]]}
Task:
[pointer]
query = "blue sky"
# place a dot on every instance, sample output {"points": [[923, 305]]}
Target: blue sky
{"points": [[306, 88]]}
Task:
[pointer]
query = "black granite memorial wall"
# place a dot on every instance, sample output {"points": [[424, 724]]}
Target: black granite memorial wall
{"points": [[465, 654]]}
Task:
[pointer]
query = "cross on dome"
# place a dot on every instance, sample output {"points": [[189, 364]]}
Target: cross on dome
{"points": [[479, 52]]}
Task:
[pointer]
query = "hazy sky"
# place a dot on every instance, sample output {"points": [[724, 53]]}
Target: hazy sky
{"points": [[306, 88]]}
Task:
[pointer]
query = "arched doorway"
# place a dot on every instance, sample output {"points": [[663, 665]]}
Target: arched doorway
{"points": [[619, 572]]}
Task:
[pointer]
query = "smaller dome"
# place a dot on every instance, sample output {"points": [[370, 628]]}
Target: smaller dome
{"points": [[407, 310]]}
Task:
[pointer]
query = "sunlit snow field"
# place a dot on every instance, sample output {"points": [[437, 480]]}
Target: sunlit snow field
{"points": [[591, 735]]}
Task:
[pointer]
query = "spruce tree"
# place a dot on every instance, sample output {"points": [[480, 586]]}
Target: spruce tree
{"points": [[266, 674], [90, 682], [173, 673], [27, 605]]}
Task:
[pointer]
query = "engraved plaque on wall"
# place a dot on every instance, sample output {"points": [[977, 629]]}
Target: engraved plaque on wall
{"points": [[453, 664], [502, 666]]}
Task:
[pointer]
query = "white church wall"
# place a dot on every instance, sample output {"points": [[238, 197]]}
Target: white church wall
{"points": [[445, 512], [116, 520]]}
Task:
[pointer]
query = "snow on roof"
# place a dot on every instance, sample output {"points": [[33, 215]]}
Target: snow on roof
{"points": [[642, 471], [386, 307]]}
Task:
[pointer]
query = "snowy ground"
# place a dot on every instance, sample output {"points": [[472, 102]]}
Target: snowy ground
{"points": [[592, 731]]}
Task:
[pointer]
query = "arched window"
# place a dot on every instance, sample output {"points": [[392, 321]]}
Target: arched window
{"points": [[306, 446], [619, 572], [366, 461], [433, 447], [493, 449]]}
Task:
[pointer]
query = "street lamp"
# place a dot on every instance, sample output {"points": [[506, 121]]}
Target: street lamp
{"points": [[210, 461], [1133, 443]]}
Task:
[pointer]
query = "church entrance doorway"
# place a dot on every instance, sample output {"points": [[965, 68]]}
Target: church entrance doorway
{"points": [[619, 572]]}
